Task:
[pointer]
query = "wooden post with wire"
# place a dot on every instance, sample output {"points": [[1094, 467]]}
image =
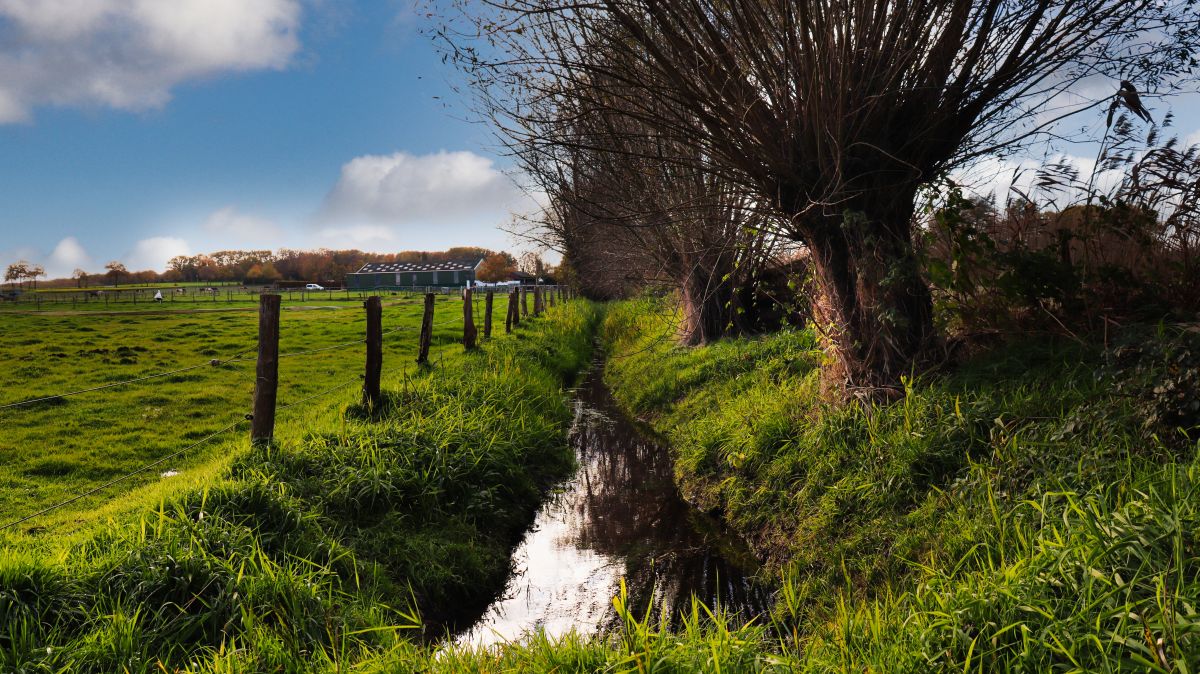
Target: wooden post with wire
{"points": [[537, 300], [511, 318], [487, 315], [426, 330], [550, 295], [524, 304], [266, 381], [469, 331], [371, 397]]}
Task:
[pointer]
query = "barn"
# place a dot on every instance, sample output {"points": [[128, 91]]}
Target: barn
{"points": [[398, 275]]}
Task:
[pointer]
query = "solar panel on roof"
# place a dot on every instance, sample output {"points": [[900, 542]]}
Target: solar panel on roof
{"points": [[379, 267]]}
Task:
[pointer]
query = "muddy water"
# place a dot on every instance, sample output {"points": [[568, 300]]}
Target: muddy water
{"points": [[620, 516]]}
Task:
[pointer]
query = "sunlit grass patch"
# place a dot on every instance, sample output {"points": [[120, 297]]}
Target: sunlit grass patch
{"points": [[348, 535]]}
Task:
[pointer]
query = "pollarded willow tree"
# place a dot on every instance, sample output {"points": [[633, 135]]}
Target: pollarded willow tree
{"points": [[641, 203], [655, 222], [836, 112], [628, 203]]}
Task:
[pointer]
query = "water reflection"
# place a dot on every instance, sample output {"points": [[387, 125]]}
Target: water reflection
{"points": [[619, 516]]}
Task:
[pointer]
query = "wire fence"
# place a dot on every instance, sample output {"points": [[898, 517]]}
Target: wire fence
{"points": [[213, 362], [92, 299], [238, 357], [122, 478]]}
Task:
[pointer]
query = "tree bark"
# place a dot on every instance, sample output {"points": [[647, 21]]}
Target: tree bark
{"points": [[873, 307], [709, 310]]}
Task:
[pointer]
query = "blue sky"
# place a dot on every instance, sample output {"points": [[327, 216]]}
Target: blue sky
{"points": [[140, 129], [314, 124]]}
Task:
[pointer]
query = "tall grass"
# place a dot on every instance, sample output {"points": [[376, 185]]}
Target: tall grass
{"points": [[1104, 581], [377, 528], [1018, 514]]}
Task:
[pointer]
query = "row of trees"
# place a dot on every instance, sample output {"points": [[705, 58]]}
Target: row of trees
{"points": [[322, 265], [694, 143], [20, 272], [265, 266]]}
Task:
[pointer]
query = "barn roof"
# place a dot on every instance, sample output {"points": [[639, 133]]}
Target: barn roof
{"points": [[386, 267]]}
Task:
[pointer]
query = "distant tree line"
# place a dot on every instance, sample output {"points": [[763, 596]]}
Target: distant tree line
{"points": [[266, 267], [21, 272]]}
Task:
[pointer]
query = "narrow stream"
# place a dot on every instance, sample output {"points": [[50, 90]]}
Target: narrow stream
{"points": [[619, 516]]}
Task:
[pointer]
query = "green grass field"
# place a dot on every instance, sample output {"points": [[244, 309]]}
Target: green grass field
{"points": [[1033, 509], [58, 448], [357, 533]]}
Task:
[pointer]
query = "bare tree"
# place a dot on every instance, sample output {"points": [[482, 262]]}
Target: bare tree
{"points": [[531, 263], [16, 272], [115, 269], [634, 205], [34, 272], [633, 214], [835, 113], [80, 276]]}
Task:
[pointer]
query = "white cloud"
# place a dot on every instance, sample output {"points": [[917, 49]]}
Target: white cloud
{"points": [[1008, 179], [128, 54], [153, 253], [229, 223], [445, 188], [368, 237], [68, 255]]}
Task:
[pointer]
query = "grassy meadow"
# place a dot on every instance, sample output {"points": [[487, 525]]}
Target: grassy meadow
{"points": [[357, 534], [1034, 508], [55, 449]]}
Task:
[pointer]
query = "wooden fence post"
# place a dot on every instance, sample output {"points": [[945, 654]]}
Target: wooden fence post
{"points": [[266, 381], [511, 318], [487, 315], [537, 300], [524, 303], [550, 295], [469, 331], [426, 330], [374, 308]]}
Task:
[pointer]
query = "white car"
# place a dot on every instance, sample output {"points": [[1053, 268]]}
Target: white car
{"points": [[313, 286]]}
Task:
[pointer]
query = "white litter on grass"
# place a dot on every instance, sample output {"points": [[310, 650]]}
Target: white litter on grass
{"points": [[170, 473]]}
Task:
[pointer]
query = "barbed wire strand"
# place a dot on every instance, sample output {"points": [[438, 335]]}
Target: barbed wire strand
{"points": [[159, 462], [306, 352], [124, 477], [318, 395], [211, 363]]}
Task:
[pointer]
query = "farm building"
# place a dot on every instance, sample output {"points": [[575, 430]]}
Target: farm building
{"points": [[456, 273]]}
